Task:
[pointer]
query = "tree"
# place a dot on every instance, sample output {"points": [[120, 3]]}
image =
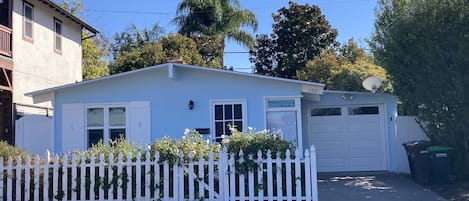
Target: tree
{"points": [[135, 49], [215, 20], [94, 49], [300, 33], [424, 46], [93, 52], [343, 69]]}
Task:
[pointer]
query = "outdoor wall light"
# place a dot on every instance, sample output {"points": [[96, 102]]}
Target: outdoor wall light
{"points": [[191, 104], [347, 96]]}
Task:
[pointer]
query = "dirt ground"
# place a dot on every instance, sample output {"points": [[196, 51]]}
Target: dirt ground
{"points": [[453, 192]]}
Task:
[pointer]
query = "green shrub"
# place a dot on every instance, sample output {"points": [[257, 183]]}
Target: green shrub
{"points": [[252, 141], [192, 142], [7, 150]]}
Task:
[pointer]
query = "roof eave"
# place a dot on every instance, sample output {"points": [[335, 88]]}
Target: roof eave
{"points": [[68, 15]]}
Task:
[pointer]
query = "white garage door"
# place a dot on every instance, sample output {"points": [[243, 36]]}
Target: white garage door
{"points": [[348, 138]]}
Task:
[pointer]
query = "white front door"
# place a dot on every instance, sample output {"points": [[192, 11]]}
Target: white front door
{"points": [[348, 138]]}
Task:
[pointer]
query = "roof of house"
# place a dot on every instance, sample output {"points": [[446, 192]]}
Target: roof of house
{"points": [[68, 15], [170, 65]]}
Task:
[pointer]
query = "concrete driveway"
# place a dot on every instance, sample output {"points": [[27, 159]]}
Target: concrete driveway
{"points": [[380, 186]]}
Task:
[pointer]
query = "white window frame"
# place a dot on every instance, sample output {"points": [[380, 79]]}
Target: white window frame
{"points": [[244, 117], [26, 20], [296, 108], [58, 36], [106, 127]]}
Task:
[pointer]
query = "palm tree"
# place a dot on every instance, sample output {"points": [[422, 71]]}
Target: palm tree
{"points": [[218, 19]]}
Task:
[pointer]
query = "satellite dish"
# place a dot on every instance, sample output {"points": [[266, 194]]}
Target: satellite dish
{"points": [[372, 83]]}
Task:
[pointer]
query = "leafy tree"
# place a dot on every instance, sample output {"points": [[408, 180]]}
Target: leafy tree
{"points": [[94, 49], [424, 45], [93, 64], [209, 22], [136, 49], [300, 33], [344, 69]]}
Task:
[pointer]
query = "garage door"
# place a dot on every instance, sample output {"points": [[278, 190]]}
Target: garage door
{"points": [[348, 138]]}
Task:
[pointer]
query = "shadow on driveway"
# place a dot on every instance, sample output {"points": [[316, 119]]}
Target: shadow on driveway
{"points": [[380, 186]]}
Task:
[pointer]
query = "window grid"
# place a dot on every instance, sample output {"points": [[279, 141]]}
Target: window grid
{"points": [[28, 20], [231, 114], [106, 131], [57, 36]]}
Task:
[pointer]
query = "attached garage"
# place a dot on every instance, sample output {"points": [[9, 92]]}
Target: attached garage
{"points": [[352, 133]]}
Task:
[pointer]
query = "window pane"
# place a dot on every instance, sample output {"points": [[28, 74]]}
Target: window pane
{"points": [[283, 122], [116, 133], [326, 112], [218, 131], [238, 125], [218, 112], [238, 111], [228, 112], [28, 29], [228, 124], [280, 103], [58, 42], [94, 136], [117, 116], [58, 28], [363, 110], [28, 12], [95, 117]]}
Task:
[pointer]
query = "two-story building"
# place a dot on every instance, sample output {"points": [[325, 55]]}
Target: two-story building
{"points": [[40, 47]]}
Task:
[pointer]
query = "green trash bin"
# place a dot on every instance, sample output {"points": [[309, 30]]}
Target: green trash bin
{"points": [[440, 160]]}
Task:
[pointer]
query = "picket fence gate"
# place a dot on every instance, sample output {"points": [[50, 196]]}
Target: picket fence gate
{"points": [[71, 177]]}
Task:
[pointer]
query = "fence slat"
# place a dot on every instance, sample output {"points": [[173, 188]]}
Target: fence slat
{"points": [[27, 178], [260, 175], [166, 179], [147, 175], [288, 175], [232, 170], [9, 187], [120, 188], [191, 176], [36, 177], [279, 169], [201, 177], [82, 178], [211, 179], [130, 180], [92, 177], [18, 177], [251, 184], [45, 190], [156, 170], [270, 181], [101, 177], [298, 178], [138, 179], [314, 173], [307, 176], [55, 177]]}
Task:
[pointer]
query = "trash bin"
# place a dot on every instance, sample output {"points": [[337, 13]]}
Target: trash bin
{"points": [[419, 160], [440, 163]]}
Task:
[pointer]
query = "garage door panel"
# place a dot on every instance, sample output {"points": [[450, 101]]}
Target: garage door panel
{"points": [[349, 142], [331, 164]]}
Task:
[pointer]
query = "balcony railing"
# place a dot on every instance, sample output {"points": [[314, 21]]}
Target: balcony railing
{"points": [[5, 41]]}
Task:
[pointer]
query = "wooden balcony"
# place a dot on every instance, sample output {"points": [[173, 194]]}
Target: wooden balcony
{"points": [[5, 41]]}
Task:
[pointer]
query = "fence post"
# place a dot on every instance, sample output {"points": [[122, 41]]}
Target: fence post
{"points": [[314, 173]]}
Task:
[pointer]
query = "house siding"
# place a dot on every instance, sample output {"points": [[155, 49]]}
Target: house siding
{"points": [[36, 65], [169, 97]]}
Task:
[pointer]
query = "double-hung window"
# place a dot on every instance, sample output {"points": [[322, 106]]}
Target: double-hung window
{"points": [[28, 20], [282, 115], [105, 123], [57, 36], [226, 114]]}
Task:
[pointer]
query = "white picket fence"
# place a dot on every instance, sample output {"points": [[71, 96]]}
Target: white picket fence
{"points": [[291, 178]]}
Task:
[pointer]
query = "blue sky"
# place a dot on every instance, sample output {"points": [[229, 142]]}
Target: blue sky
{"points": [[352, 18]]}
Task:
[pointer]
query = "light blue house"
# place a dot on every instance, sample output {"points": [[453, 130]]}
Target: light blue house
{"points": [[352, 131]]}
